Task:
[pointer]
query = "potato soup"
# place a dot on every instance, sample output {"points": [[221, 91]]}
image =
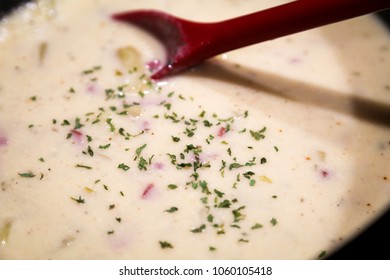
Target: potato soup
{"points": [[280, 150]]}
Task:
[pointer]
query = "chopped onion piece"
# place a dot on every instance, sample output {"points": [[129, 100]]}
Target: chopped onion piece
{"points": [[4, 233], [130, 58]]}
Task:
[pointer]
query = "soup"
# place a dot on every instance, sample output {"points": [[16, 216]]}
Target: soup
{"points": [[279, 150]]}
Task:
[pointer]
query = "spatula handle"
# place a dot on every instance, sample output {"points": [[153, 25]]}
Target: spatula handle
{"points": [[287, 19]]}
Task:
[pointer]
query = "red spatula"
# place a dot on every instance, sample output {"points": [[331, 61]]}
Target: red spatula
{"points": [[189, 43]]}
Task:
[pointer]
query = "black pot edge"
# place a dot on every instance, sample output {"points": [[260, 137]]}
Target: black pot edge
{"points": [[6, 6], [371, 244]]}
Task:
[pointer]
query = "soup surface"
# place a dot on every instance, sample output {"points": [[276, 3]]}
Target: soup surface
{"points": [[280, 150]]}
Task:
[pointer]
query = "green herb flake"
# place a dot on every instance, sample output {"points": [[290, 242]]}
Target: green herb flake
{"points": [[83, 166], [220, 228], [173, 158], [206, 123], [91, 70], [172, 186], [165, 245], [110, 93], [257, 226], [235, 165], [229, 151], [238, 216], [274, 221], [142, 164], [224, 204], [112, 126], [78, 124], [251, 162], [175, 139], [258, 135], [78, 200], [248, 174], [90, 151], [172, 209], [218, 193], [65, 123], [123, 166], [103, 147], [199, 229], [204, 200], [322, 254], [138, 151], [27, 175], [223, 165], [190, 132], [242, 240], [195, 175], [204, 186], [212, 249]]}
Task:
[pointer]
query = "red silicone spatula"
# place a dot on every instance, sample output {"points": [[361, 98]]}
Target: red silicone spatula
{"points": [[188, 43]]}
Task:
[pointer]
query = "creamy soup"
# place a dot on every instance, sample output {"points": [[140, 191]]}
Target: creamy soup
{"points": [[280, 150]]}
